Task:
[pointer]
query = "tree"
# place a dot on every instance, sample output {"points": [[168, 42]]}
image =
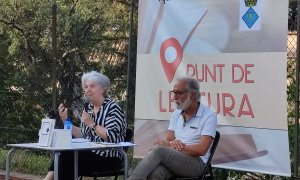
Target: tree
{"points": [[92, 35]]}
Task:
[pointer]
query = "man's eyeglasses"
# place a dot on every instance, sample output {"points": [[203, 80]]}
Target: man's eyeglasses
{"points": [[179, 93]]}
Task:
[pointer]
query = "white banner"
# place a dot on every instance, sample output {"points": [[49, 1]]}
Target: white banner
{"points": [[236, 49]]}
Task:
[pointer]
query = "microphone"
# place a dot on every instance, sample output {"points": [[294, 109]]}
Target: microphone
{"points": [[86, 103]]}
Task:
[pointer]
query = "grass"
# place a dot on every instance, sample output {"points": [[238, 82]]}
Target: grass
{"points": [[27, 162]]}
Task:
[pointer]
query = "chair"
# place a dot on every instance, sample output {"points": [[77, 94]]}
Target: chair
{"points": [[207, 173], [113, 172]]}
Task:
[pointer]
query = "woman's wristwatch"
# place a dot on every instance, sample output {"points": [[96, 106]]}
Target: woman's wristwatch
{"points": [[94, 127]]}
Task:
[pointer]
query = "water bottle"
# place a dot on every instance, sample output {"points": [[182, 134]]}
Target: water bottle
{"points": [[68, 124]]}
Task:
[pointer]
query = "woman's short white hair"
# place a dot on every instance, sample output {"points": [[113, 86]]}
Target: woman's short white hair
{"points": [[98, 78]]}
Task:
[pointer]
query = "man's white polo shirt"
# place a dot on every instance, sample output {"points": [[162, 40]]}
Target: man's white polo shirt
{"points": [[204, 122]]}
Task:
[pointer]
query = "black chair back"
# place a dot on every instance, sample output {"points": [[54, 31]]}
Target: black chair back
{"points": [[128, 137], [208, 168]]}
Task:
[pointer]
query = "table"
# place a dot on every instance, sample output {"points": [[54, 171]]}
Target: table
{"points": [[73, 147]]}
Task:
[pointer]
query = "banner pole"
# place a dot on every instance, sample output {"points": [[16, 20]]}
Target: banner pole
{"points": [[297, 92], [54, 52], [129, 59]]}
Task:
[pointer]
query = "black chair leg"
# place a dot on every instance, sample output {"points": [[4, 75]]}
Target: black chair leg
{"points": [[211, 174]]}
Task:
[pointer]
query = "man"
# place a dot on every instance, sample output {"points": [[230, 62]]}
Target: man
{"points": [[190, 134]]}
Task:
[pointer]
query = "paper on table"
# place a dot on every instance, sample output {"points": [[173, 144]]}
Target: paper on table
{"points": [[106, 144], [79, 140], [116, 144], [127, 144]]}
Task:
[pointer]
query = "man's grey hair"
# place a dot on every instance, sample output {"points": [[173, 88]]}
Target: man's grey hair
{"points": [[192, 85], [98, 78]]}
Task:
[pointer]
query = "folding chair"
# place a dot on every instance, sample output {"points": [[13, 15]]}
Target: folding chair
{"points": [[207, 173], [112, 172]]}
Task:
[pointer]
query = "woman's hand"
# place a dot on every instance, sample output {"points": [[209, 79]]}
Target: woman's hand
{"points": [[63, 112], [87, 119]]}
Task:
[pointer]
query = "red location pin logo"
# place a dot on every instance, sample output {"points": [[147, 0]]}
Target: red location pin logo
{"points": [[170, 68]]}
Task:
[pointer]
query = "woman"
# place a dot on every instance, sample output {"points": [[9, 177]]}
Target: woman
{"points": [[103, 121]]}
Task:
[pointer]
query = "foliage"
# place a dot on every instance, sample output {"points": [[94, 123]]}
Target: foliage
{"points": [[292, 16], [2, 158], [31, 163], [292, 143], [291, 88], [28, 162], [91, 35]]}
